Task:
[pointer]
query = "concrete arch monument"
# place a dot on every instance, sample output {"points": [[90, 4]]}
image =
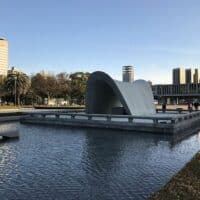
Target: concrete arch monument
{"points": [[103, 94]]}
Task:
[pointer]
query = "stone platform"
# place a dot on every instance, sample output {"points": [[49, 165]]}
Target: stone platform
{"points": [[8, 129], [9, 135], [169, 124]]}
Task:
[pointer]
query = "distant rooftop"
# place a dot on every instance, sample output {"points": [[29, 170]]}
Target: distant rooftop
{"points": [[2, 39]]}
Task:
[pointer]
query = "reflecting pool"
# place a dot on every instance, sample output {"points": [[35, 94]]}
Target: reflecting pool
{"points": [[68, 163]]}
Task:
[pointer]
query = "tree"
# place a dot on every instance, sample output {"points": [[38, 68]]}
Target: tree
{"points": [[17, 83], [2, 83], [31, 98], [38, 85], [44, 86], [63, 84], [78, 86]]}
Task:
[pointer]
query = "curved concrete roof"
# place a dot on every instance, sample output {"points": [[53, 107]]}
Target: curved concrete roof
{"points": [[103, 93]]}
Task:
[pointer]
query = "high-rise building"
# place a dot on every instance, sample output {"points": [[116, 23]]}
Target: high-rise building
{"points": [[178, 76], [197, 76], [128, 74], [189, 75], [3, 57]]}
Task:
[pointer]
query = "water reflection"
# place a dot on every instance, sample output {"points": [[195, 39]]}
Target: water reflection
{"points": [[8, 156], [68, 163], [125, 164]]}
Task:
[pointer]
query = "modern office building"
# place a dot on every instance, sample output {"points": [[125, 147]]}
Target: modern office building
{"points": [[189, 75], [185, 76], [178, 75], [181, 93], [128, 74], [3, 57], [196, 76]]}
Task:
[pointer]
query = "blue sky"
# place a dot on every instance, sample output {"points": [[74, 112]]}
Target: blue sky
{"points": [[72, 35]]}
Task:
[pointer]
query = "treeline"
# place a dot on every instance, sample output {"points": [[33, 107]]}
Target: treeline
{"points": [[19, 88]]}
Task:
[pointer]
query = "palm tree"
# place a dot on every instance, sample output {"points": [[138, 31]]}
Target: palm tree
{"points": [[17, 84]]}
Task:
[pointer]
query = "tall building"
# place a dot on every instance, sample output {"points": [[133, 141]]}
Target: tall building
{"points": [[178, 76], [3, 57], [189, 75], [196, 76], [128, 74]]}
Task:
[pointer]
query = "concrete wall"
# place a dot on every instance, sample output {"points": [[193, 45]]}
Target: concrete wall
{"points": [[103, 93]]}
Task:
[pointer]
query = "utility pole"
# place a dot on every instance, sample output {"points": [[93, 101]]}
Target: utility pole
{"points": [[15, 90]]}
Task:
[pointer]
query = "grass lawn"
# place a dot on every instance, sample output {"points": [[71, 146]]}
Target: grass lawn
{"points": [[185, 185]]}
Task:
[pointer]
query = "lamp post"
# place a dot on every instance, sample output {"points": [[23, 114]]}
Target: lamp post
{"points": [[15, 78]]}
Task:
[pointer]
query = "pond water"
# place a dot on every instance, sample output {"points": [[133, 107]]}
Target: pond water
{"points": [[68, 163]]}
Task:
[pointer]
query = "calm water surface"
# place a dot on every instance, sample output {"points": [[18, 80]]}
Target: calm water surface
{"points": [[65, 163]]}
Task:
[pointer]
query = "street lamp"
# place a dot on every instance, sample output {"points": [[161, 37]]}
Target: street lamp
{"points": [[15, 78]]}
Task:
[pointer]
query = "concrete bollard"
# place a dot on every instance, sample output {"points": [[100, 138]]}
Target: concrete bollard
{"points": [[72, 116], [173, 121], [89, 117], [57, 116], [130, 119], [108, 118], [155, 121], [43, 115]]}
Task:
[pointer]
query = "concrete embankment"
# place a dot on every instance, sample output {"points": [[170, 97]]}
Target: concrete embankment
{"points": [[184, 185], [8, 129], [11, 134], [183, 124], [10, 116]]}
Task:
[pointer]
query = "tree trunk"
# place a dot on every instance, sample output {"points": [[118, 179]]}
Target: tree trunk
{"points": [[18, 100]]}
